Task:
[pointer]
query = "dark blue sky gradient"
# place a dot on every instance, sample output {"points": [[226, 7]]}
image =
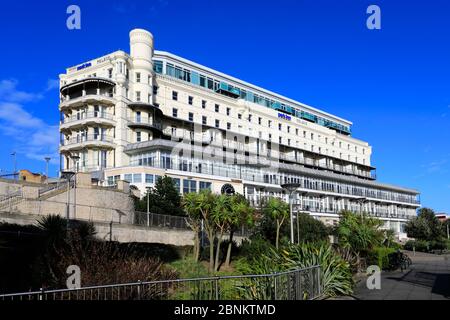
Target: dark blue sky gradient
{"points": [[394, 84]]}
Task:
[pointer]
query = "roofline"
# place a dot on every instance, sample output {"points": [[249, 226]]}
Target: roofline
{"points": [[197, 65]]}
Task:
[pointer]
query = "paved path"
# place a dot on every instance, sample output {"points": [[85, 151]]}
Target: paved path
{"points": [[428, 278]]}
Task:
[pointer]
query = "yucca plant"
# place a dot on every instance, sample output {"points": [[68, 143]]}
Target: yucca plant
{"points": [[336, 276]]}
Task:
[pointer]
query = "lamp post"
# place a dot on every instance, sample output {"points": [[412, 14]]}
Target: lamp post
{"points": [[47, 160], [67, 175], [75, 159], [15, 164], [148, 206], [291, 188]]}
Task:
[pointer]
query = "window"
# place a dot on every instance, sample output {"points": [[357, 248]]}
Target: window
{"points": [[157, 178], [176, 182], [110, 73], [149, 79], [204, 120], [138, 136], [228, 126], [138, 77], [280, 140], [128, 177], [155, 90], [137, 178], [312, 136], [259, 120], [249, 118], [203, 104], [279, 126], [191, 116], [189, 186], [138, 116], [191, 100], [289, 142], [269, 123], [228, 111], [204, 185], [149, 178], [239, 116], [217, 123], [175, 112], [138, 96], [296, 131], [174, 95], [288, 129], [216, 108]]}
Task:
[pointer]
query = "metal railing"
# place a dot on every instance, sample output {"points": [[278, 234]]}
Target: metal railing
{"points": [[87, 138], [154, 220], [88, 115], [298, 284]]}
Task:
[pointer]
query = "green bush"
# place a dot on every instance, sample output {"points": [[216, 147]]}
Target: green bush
{"points": [[426, 246], [335, 271], [380, 256]]}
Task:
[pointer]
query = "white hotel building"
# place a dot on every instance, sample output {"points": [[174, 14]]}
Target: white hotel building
{"points": [[144, 114]]}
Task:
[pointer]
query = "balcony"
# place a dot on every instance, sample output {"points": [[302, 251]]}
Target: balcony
{"points": [[90, 140], [88, 118], [93, 98], [228, 90], [137, 123]]}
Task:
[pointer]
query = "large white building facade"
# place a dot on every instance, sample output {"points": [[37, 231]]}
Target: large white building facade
{"points": [[147, 114]]}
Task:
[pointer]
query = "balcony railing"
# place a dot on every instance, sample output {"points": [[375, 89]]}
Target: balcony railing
{"points": [[88, 115], [136, 122], [87, 138]]}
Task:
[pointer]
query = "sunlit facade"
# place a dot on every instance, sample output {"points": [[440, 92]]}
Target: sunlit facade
{"points": [[146, 114]]}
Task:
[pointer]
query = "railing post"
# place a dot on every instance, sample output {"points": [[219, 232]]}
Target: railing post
{"points": [[41, 295], [216, 282], [319, 291], [139, 289]]}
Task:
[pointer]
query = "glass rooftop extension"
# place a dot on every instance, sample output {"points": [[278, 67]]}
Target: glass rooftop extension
{"points": [[222, 87]]}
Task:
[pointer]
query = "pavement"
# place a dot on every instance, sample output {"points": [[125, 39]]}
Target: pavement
{"points": [[428, 278]]}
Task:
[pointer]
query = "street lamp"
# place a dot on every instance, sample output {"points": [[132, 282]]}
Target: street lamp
{"points": [[75, 160], [47, 159], [15, 164], [291, 188], [148, 206], [67, 175]]}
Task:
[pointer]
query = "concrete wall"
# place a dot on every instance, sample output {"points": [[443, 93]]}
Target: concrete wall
{"points": [[120, 232]]}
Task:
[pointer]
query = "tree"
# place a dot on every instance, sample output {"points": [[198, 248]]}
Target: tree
{"points": [[310, 229], [359, 232], [221, 217], [426, 226], [205, 204], [164, 198], [241, 214], [194, 219], [278, 210]]}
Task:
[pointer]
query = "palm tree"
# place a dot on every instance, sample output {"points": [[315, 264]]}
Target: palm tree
{"points": [[278, 210], [194, 217], [221, 217], [205, 205], [241, 214], [55, 229]]}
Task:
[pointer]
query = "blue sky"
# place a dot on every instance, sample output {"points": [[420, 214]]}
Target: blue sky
{"points": [[393, 83]]}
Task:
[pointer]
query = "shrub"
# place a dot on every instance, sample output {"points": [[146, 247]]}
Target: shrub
{"points": [[380, 256], [310, 229], [336, 275]]}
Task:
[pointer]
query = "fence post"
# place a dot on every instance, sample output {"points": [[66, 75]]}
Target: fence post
{"points": [[217, 287], [41, 295], [139, 289], [319, 291]]}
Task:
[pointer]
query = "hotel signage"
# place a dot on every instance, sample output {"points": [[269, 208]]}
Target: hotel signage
{"points": [[84, 65], [284, 116]]}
